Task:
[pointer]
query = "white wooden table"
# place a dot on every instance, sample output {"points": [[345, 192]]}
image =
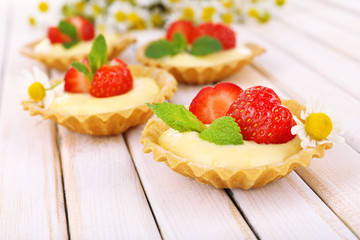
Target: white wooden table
{"points": [[57, 184]]}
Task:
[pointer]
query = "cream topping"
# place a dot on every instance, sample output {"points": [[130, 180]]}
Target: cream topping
{"points": [[144, 89], [185, 59], [249, 155], [45, 47]]}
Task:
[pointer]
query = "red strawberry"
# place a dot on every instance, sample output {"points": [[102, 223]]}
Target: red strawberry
{"points": [[111, 80], [184, 27], [77, 82], [213, 102], [56, 36], [261, 117], [223, 33], [84, 28]]}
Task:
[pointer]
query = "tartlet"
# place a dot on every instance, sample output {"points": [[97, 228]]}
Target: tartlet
{"points": [[203, 74], [112, 123], [63, 62], [219, 177]]}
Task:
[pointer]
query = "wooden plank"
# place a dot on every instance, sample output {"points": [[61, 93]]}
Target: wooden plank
{"points": [[334, 179], [333, 66], [185, 209], [302, 83], [4, 27], [339, 39], [332, 14], [352, 6], [31, 193], [104, 196]]}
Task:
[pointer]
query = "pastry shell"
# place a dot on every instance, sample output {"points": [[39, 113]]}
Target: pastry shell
{"points": [[201, 75], [114, 122], [228, 177], [63, 62]]}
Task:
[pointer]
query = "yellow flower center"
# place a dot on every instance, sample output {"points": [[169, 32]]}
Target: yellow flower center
{"points": [[228, 4], [32, 21], [253, 13], [318, 126], [157, 20], [120, 16], [136, 21], [280, 2], [43, 7], [174, 1], [36, 91], [188, 13], [207, 13], [227, 18], [97, 9], [80, 6], [264, 17]]}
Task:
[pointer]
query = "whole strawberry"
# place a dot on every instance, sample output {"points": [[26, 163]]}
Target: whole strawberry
{"points": [[111, 80], [261, 117], [221, 32]]}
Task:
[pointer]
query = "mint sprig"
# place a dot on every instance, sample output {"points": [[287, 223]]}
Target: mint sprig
{"points": [[202, 46], [205, 45], [97, 58], [68, 29], [222, 131]]}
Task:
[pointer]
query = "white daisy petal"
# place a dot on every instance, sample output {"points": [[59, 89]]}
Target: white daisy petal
{"points": [[49, 98]]}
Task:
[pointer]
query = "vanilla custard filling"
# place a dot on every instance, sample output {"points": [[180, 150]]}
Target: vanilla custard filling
{"points": [[248, 155], [185, 59], [45, 47], [144, 89]]}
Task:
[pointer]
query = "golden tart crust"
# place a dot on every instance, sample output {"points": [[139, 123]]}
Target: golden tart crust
{"points": [[201, 75], [63, 63], [228, 177], [114, 122]]}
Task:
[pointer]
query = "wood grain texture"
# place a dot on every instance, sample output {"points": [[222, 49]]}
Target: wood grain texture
{"points": [[302, 83], [184, 208], [31, 193], [104, 196]]}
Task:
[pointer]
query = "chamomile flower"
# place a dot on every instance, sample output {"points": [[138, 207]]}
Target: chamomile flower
{"points": [[40, 91], [320, 125]]}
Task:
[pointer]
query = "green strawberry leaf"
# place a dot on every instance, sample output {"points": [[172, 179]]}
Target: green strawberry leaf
{"points": [[179, 43], [223, 131], [83, 69], [70, 44], [98, 53], [205, 45], [159, 49], [68, 29], [177, 117]]}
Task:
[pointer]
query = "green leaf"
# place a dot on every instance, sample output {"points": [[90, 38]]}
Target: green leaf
{"points": [[83, 69], [205, 45], [159, 49], [70, 44], [179, 43], [223, 131], [98, 53], [68, 29], [177, 117]]}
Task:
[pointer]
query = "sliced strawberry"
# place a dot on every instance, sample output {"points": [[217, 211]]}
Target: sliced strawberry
{"points": [[84, 28], [111, 80], [184, 27], [77, 82], [223, 33], [56, 36], [261, 117], [213, 102]]}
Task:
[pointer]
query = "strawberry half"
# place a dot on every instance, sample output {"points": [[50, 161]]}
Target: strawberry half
{"points": [[213, 102], [261, 117], [221, 32], [184, 27], [111, 80], [56, 36], [84, 28], [77, 82]]}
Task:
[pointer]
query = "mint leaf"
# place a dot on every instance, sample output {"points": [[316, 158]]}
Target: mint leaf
{"points": [[223, 131], [177, 117], [159, 49], [98, 53], [68, 29], [70, 44], [179, 43], [205, 45], [82, 68]]}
